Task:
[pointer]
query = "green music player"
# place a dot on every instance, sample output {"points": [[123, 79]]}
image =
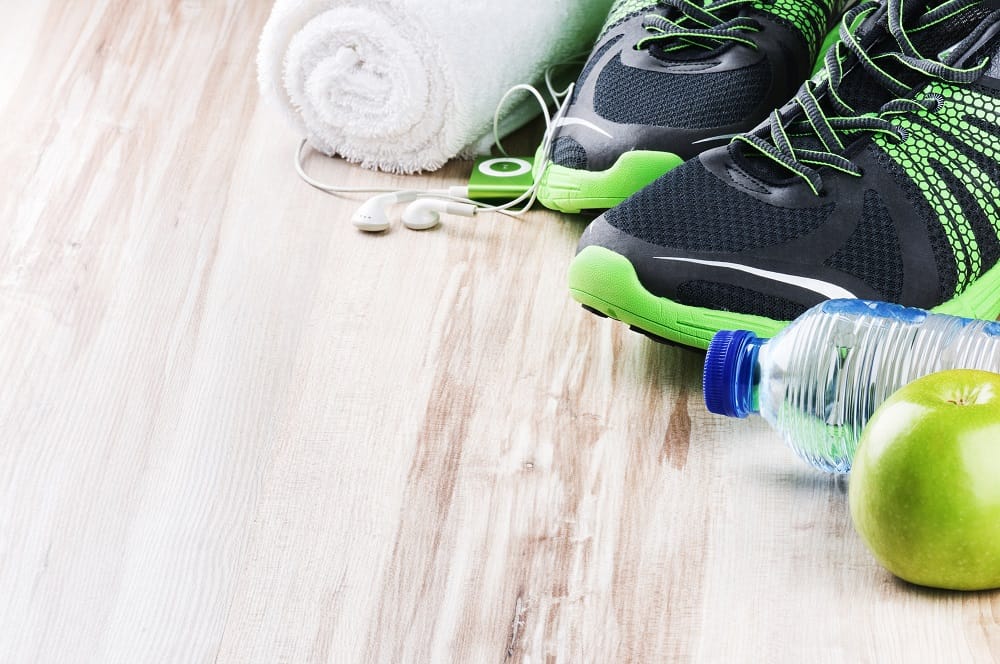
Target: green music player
{"points": [[498, 179]]}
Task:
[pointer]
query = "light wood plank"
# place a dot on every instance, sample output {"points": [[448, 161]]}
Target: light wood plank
{"points": [[234, 429]]}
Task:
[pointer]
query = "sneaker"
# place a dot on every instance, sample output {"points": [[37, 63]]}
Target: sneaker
{"points": [[670, 79], [879, 180]]}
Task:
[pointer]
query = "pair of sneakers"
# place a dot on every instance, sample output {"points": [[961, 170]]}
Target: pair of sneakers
{"points": [[880, 179]]}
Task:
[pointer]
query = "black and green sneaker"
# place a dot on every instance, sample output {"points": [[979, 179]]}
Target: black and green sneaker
{"points": [[879, 180], [670, 79]]}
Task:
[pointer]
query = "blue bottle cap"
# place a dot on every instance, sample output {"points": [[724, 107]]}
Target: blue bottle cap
{"points": [[729, 373]]}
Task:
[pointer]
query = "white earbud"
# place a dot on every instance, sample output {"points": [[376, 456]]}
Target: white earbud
{"points": [[372, 215], [425, 213]]}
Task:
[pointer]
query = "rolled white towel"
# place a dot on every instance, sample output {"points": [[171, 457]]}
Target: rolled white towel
{"points": [[405, 85]]}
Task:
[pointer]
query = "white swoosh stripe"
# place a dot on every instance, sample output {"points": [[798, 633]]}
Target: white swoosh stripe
{"points": [[829, 290], [723, 137], [567, 122]]}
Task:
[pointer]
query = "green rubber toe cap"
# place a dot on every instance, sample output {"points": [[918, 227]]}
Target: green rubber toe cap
{"points": [[606, 282], [573, 190]]}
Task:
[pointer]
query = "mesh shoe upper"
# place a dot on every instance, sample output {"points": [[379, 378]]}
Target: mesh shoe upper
{"points": [[912, 217], [685, 100], [723, 97], [702, 207]]}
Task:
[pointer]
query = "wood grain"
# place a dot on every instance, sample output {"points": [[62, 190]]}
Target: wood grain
{"points": [[234, 429]]}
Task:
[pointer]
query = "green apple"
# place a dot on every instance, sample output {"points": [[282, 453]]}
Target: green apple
{"points": [[925, 485]]}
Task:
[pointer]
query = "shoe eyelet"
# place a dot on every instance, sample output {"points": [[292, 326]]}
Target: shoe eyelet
{"points": [[902, 134]]}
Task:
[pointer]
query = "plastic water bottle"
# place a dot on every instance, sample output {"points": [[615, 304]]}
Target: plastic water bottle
{"points": [[819, 381]]}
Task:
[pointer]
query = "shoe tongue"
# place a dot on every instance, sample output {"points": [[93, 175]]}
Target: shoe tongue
{"points": [[693, 53], [933, 41], [861, 90], [686, 55]]}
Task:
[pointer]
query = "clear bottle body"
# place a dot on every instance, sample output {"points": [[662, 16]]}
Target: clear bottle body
{"points": [[821, 379]]}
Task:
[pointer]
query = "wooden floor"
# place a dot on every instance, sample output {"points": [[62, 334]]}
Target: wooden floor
{"points": [[235, 429]]}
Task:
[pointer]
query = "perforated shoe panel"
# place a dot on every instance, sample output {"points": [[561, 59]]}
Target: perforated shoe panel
{"points": [[569, 153], [692, 101], [873, 253], [729, 297], [691, 209]]}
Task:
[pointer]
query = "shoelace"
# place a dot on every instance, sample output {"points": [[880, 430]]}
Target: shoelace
{"points": [[698, 26], [774, 139]]}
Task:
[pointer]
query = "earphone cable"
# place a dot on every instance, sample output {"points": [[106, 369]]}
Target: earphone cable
{"points": [[526, 200]]}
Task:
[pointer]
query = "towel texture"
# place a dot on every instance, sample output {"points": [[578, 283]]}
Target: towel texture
{"points": [[405, 85]]}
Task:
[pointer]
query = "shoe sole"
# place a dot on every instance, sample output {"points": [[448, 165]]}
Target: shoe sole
{"points": [[606, 283], [573, 190]]}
